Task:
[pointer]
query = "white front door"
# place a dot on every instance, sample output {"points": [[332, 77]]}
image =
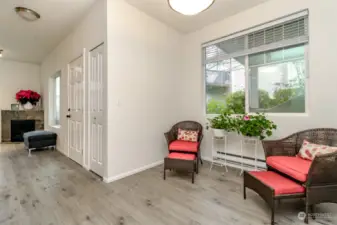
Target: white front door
{"points": [[96, 109], [76, 110]]}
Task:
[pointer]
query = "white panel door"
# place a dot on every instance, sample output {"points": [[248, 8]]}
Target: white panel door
{"points": [[96, 109], [76, 110]]}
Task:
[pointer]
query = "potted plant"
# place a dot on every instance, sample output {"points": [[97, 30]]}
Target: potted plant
{"points": [[28, 98], [221, 124], [255, 126]]}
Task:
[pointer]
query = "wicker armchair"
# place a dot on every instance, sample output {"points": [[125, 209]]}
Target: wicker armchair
{"points": [[171, 135], [321, 182]]}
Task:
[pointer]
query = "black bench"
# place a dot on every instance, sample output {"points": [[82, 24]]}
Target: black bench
{"points": [[39, 139]]}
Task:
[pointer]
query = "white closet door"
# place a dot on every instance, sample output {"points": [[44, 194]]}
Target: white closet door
{"points": [[96, 109]]}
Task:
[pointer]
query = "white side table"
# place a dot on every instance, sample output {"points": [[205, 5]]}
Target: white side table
{"points": [[221, 150], [249, 141]]}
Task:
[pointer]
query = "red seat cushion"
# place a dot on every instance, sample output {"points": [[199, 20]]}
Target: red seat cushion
{"points": [[280, 184], [295, 167], [185, 146], [176, 155]]}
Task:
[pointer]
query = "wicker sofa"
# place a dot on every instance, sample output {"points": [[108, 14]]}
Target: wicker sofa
{"points": [[318, 176]]}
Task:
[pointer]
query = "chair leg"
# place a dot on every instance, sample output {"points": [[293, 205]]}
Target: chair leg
{"points": [[192, 177], [244, 192], [312, 208], [197, 167], [164, 174], [306, 220], [273, 213]]}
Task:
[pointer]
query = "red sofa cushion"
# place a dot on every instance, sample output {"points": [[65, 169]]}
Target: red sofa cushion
{"points": [[184, 146], [176, 155], [280, 184], [294, 167]]}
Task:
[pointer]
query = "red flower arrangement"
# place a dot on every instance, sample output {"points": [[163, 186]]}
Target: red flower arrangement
{"points": [[24, 96]]}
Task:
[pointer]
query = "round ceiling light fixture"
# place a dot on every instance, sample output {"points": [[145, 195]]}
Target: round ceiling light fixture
{"points": [[1, 52], [190, 7], [27, 14]]}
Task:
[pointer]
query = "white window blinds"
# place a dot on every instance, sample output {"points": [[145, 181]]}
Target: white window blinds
{"points": [[283, 34]]}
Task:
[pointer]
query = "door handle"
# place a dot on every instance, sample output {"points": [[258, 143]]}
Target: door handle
{"points": [[68, 116]]}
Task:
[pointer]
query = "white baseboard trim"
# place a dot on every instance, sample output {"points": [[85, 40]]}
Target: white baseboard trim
{"points": [[132, 172]]}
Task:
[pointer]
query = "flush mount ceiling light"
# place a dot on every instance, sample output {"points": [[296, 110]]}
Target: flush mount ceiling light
{"points": [[27, 14], [1, 52], [190, 7]]}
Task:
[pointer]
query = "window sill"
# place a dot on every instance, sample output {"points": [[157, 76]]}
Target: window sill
{"points": [[56, 126], [210, 116]]}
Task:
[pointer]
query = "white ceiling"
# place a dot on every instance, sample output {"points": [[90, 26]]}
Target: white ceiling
{"points": [[32, 41], [219, 10]]}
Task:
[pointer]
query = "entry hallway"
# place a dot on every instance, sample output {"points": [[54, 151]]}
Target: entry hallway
{"points": [[49, 188]]}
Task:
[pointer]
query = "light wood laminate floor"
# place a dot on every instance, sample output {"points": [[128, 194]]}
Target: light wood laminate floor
{"points": [[50, 189]]}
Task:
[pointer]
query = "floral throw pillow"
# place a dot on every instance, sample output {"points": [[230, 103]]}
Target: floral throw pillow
{"points": [[310, 151], [187, 135]]}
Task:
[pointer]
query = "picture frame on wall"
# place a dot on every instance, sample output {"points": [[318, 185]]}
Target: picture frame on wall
{"points": [[15, 107]]}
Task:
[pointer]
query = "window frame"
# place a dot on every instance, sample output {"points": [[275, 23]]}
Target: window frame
{"points": [[52, 100], [247, 68]]}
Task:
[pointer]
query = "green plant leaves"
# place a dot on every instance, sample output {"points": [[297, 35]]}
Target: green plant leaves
{"points": [[248, 125], [223, 121]]}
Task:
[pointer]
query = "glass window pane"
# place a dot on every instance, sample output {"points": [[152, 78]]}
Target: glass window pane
{"points": [[294, 52], [225, 85], [278, 88], [57, 98], [256, 59], [57, 85], [274, 56]]}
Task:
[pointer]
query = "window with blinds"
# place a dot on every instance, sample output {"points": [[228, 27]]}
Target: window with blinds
{"points": [[271, 56]]}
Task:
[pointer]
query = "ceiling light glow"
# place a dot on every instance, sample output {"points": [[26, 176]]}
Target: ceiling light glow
{"points": [[27, 14], [190, 7]]}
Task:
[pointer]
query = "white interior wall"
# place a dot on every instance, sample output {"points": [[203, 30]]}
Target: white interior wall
{"points": [[90, 32], [155, 76], [144, 62], [15, 76], [321, 84]]}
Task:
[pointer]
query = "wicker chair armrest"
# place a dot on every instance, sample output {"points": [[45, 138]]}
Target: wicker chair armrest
{"points": [[323, 170], [279, 148], [169, 137], [200, 138]]}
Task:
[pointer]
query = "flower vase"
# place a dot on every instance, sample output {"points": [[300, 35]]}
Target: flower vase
{"points": [[28, 106], [251, 140], [219, 133]]}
